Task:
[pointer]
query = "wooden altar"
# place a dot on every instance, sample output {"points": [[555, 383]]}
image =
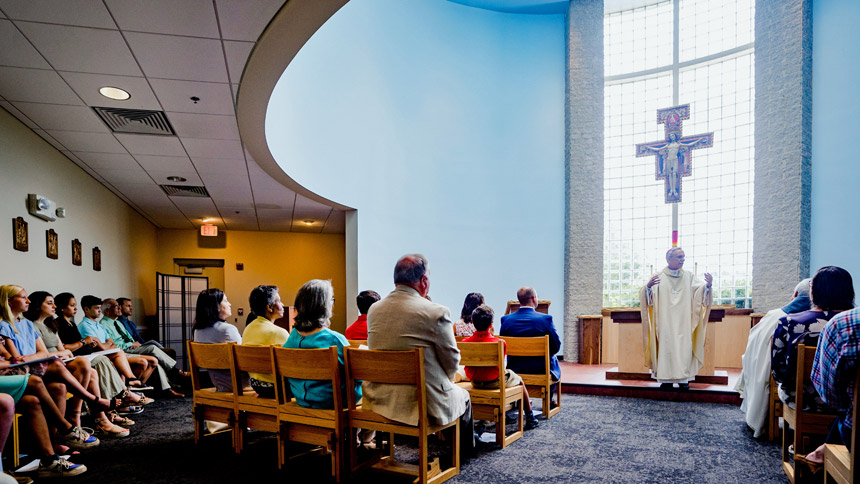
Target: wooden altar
{"points": [[631, 351]]}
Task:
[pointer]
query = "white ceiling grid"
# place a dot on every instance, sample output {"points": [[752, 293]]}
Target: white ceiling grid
{"points": [[56, 56]]}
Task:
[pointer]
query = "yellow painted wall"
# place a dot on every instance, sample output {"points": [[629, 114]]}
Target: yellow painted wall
{"points": [[284, 259], [95, 216]]}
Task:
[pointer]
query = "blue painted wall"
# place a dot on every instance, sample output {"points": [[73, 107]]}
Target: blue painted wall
{"points": [[444, 126], [835, 130]]}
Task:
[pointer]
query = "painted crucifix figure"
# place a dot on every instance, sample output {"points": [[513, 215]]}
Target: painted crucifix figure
{"points": [[674, 158], [673, 155]]}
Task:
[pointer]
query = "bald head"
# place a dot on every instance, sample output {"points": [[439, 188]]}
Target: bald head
{"points": [[411, 270], [802, 288], [527, 296]]}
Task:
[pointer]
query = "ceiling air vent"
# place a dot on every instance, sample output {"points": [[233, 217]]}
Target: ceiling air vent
{"points": [[137, 121], [184, 191]]}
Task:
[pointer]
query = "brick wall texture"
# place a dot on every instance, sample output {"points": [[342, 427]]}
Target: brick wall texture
{"points": [[583, 262], [783, 117]]}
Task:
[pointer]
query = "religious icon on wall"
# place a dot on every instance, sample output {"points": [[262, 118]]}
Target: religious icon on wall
{"points": [[76, 252], [52, 244], [97, 259], [19, 231]]}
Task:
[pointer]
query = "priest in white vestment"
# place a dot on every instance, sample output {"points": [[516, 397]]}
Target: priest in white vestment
{"points": [[675, 305], [754, 382]]}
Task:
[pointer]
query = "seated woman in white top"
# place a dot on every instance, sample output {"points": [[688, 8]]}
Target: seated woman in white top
{"points": [[210, 326]]}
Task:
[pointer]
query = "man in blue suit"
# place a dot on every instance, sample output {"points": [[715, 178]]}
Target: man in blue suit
{"points": [[527, 322]]}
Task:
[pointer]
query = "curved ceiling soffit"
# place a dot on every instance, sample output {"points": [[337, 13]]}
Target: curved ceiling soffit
{"points": [[277, 46]]}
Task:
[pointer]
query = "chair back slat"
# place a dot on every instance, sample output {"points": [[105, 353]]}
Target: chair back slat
{"points": [[305, 364], [253, 359], [805, 358], [210, 356], [532, 346], [397, 367], [480, 354], [202, 356]]}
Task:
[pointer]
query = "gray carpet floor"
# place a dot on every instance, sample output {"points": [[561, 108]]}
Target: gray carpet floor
{"points": [[593, 439]]}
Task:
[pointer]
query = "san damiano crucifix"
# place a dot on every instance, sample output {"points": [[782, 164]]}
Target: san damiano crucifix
{"points": [[674, 158]]}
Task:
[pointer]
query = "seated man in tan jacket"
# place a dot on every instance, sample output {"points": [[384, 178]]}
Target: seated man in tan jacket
{"points": [[404, 320]]}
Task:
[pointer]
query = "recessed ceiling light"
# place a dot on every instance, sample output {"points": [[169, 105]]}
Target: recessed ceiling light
{"points": [[114, 93], [308, 222], [176, 179], [208, 220]]}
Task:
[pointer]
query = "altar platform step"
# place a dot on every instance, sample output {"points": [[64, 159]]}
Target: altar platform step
{"points": [[591, 380]]}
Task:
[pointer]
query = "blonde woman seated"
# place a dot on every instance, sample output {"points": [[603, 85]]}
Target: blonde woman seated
{"points": [[266, 303]]}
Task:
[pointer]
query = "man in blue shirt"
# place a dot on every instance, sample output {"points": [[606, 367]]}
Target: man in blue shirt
{"points": [[527, 322], [126, 309]]}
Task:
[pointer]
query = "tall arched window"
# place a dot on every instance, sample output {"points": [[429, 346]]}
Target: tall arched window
{"points": [[661, 54]]}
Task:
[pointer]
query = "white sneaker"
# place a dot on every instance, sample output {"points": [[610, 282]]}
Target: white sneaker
{"points": [[78, 438], [60, 468]]}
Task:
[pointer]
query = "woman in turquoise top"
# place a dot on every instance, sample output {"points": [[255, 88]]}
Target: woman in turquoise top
{"points": [[314, 303]]}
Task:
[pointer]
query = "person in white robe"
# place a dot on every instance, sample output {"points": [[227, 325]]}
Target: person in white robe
{"points": [[754, 381], [675, 306]]}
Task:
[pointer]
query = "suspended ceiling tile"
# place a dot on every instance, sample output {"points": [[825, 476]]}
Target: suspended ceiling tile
{"points": [[82, 141], [85, 13], [35, 85], [231, 195], [146, 193], [274, 215], [212, 148], [213, 178], [87, 87], [173, 222], [245, 19], [17, 50], [273, 194], [246, 210], [336, 223], [108, 161], [235, 90], [18, 114], [237, 56], [204, 126], [125, 177], [196, 203], [241, 224], [82, 49], [148, 144], [63, 117], [160, 177], [165, 163], [175, 97], [276, 226], [306, 204], [190, 58], [227, 166], [50, 139], [195, 18]]}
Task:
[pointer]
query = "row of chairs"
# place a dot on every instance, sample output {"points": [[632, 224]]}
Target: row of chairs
{"points": [[335, 429], [805, 430]]}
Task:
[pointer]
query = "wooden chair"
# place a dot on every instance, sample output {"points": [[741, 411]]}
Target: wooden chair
{"points": [[798, 425], [539, 386], [399, 368], [839, 463], [253, 411], [208, 403], [491, 404], [328, 428], [774, 412]]}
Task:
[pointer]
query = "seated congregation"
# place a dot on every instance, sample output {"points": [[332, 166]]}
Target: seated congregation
{"points": [[396, 371], [64, 377], [800, 364]]}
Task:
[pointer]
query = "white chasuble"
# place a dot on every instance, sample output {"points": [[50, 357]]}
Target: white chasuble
{"points": [[674, 320]]}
